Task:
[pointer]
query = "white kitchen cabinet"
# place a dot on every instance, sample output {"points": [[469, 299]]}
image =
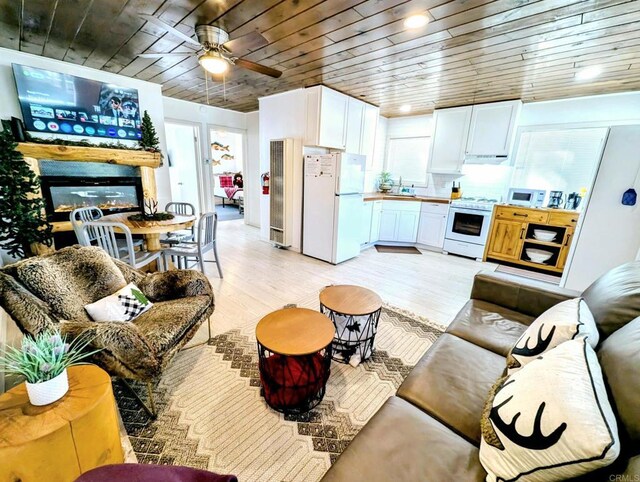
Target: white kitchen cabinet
{"points": [[376, 213], [407, 229], [367, 216], [399, 221], [369, 129], [433, 224], [326, 117], [449, 142], [355, 120], [492, 128], [388, 225]]}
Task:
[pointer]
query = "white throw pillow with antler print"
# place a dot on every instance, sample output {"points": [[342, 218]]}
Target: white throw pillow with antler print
{"points": [[550, 420], [565, 321]]}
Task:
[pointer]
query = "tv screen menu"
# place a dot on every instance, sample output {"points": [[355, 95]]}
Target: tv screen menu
{"points": [[56, 103]]}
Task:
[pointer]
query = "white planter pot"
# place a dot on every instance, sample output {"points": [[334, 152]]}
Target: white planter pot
{"points": [[44, 393]]}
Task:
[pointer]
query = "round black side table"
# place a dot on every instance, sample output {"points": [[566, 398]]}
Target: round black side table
{"points": [[355, 312], [294, 358]]}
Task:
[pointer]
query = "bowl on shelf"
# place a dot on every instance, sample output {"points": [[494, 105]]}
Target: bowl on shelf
{"points": [[544, 235], [539, 256]]}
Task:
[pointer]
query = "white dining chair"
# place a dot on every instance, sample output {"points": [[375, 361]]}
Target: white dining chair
{"points": [[206, 230], [105, 237], [83, 215]]}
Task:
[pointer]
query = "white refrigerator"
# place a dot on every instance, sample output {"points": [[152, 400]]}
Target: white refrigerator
{"points": [[333, 206]]}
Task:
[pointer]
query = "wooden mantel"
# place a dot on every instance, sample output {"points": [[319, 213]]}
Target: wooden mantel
{"points": [[146, 161], [127, 157]]}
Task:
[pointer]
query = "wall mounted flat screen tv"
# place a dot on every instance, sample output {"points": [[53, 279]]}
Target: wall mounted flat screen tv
{"points": [[55, 103]]}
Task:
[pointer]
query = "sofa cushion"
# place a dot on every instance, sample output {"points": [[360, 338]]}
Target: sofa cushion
{"points": [[614, 298], [166, 323], [620, 360], [490, 326], [563, 322], [550, 420], [403, 443], [82, 274], [451, 383]]}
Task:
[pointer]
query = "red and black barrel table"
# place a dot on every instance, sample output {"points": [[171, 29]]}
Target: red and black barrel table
{"points": [[294, 357], [355, 312]]}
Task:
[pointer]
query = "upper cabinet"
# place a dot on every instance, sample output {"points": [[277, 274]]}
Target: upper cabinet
{"points": [[477, 134], [369, 129], [449, 142], [326, 118], [338, 121], [355, 119], [492, 128]]}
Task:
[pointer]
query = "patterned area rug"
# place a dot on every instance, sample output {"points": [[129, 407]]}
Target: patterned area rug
{"points": [[211, 414]]}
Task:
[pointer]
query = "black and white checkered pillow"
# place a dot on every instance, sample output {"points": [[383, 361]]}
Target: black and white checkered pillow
{"points": [[126, 304], [132, 307]]}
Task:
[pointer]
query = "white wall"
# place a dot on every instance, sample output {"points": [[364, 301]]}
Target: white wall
{"points": [[205, 116], [150, 96], [283, 116], [253, 191]]}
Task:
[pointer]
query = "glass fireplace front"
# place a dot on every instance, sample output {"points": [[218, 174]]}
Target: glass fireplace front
{"points": [[111, 194]]}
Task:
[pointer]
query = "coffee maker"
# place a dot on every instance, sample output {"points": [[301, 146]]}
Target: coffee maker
{"points": [[573, 201], [555, 199]]}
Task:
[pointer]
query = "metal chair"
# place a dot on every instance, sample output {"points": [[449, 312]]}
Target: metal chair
{"points": [[183, 209], [105, 237], [205, 242], [80, 216]]}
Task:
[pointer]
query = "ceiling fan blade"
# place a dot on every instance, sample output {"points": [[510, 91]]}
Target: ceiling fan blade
{"points": [[168, 28], [245, 44], [261, 69], [169, 54]]}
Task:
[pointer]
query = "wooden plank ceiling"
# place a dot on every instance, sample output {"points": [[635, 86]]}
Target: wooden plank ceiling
{"points": [[471, 50]]}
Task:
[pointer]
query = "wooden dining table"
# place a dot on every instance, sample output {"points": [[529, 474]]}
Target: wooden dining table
{"points": [[151, 230]]}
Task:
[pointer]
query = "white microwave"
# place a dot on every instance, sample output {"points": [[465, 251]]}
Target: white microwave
{"points": [[532, 198]]}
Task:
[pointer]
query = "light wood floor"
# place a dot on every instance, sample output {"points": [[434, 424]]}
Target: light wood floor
{"points": [[259, 278]]}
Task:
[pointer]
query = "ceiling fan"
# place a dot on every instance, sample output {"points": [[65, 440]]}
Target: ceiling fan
{"points": [[215, 50]]}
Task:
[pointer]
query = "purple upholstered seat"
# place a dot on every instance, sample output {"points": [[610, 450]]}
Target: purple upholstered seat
{"points": [[151, 473]]}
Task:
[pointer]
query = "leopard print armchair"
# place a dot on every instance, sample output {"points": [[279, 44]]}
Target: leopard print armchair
{"points": [[51, 291]]}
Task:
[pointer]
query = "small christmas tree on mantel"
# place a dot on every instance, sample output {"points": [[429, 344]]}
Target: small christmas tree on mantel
{"points": [[149, 140], [22, 219]]}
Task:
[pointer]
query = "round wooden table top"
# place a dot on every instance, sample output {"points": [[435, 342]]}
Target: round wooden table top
{"points": [[350, 300], [21, 422], [151, 227], [295, 331]]}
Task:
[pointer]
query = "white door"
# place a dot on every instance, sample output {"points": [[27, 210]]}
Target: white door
{"points": [[449, 139], [348, 216], [369, 128], [492, 127], [407, 230], [431, 229], [318, 230], [376, 213], [351, 170], [333, 114], [355, 118], [183, 150], [367, 217], [388, 225]]}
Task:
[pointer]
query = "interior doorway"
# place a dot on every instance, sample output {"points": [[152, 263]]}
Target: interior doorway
{"points": [[183, 150], [227, 167]]}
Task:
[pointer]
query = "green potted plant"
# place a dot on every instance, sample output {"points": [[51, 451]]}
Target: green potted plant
{"points": [[385, 182], [43, 361]]}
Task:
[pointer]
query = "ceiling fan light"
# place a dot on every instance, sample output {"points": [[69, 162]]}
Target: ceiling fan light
{"points": [[213, 63]]}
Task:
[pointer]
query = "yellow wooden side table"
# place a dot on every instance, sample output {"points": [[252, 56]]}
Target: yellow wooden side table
{"points": [[59, 442]]}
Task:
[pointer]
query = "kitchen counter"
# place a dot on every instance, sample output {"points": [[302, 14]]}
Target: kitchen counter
{"points": [[546, 209], [378, 196]]}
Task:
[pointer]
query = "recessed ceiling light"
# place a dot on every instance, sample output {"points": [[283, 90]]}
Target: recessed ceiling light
{"points": [[405, 108], [416, 21], [589, 72]]}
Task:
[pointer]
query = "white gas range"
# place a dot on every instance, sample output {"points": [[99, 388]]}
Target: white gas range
{"points": [[468, 226]]}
